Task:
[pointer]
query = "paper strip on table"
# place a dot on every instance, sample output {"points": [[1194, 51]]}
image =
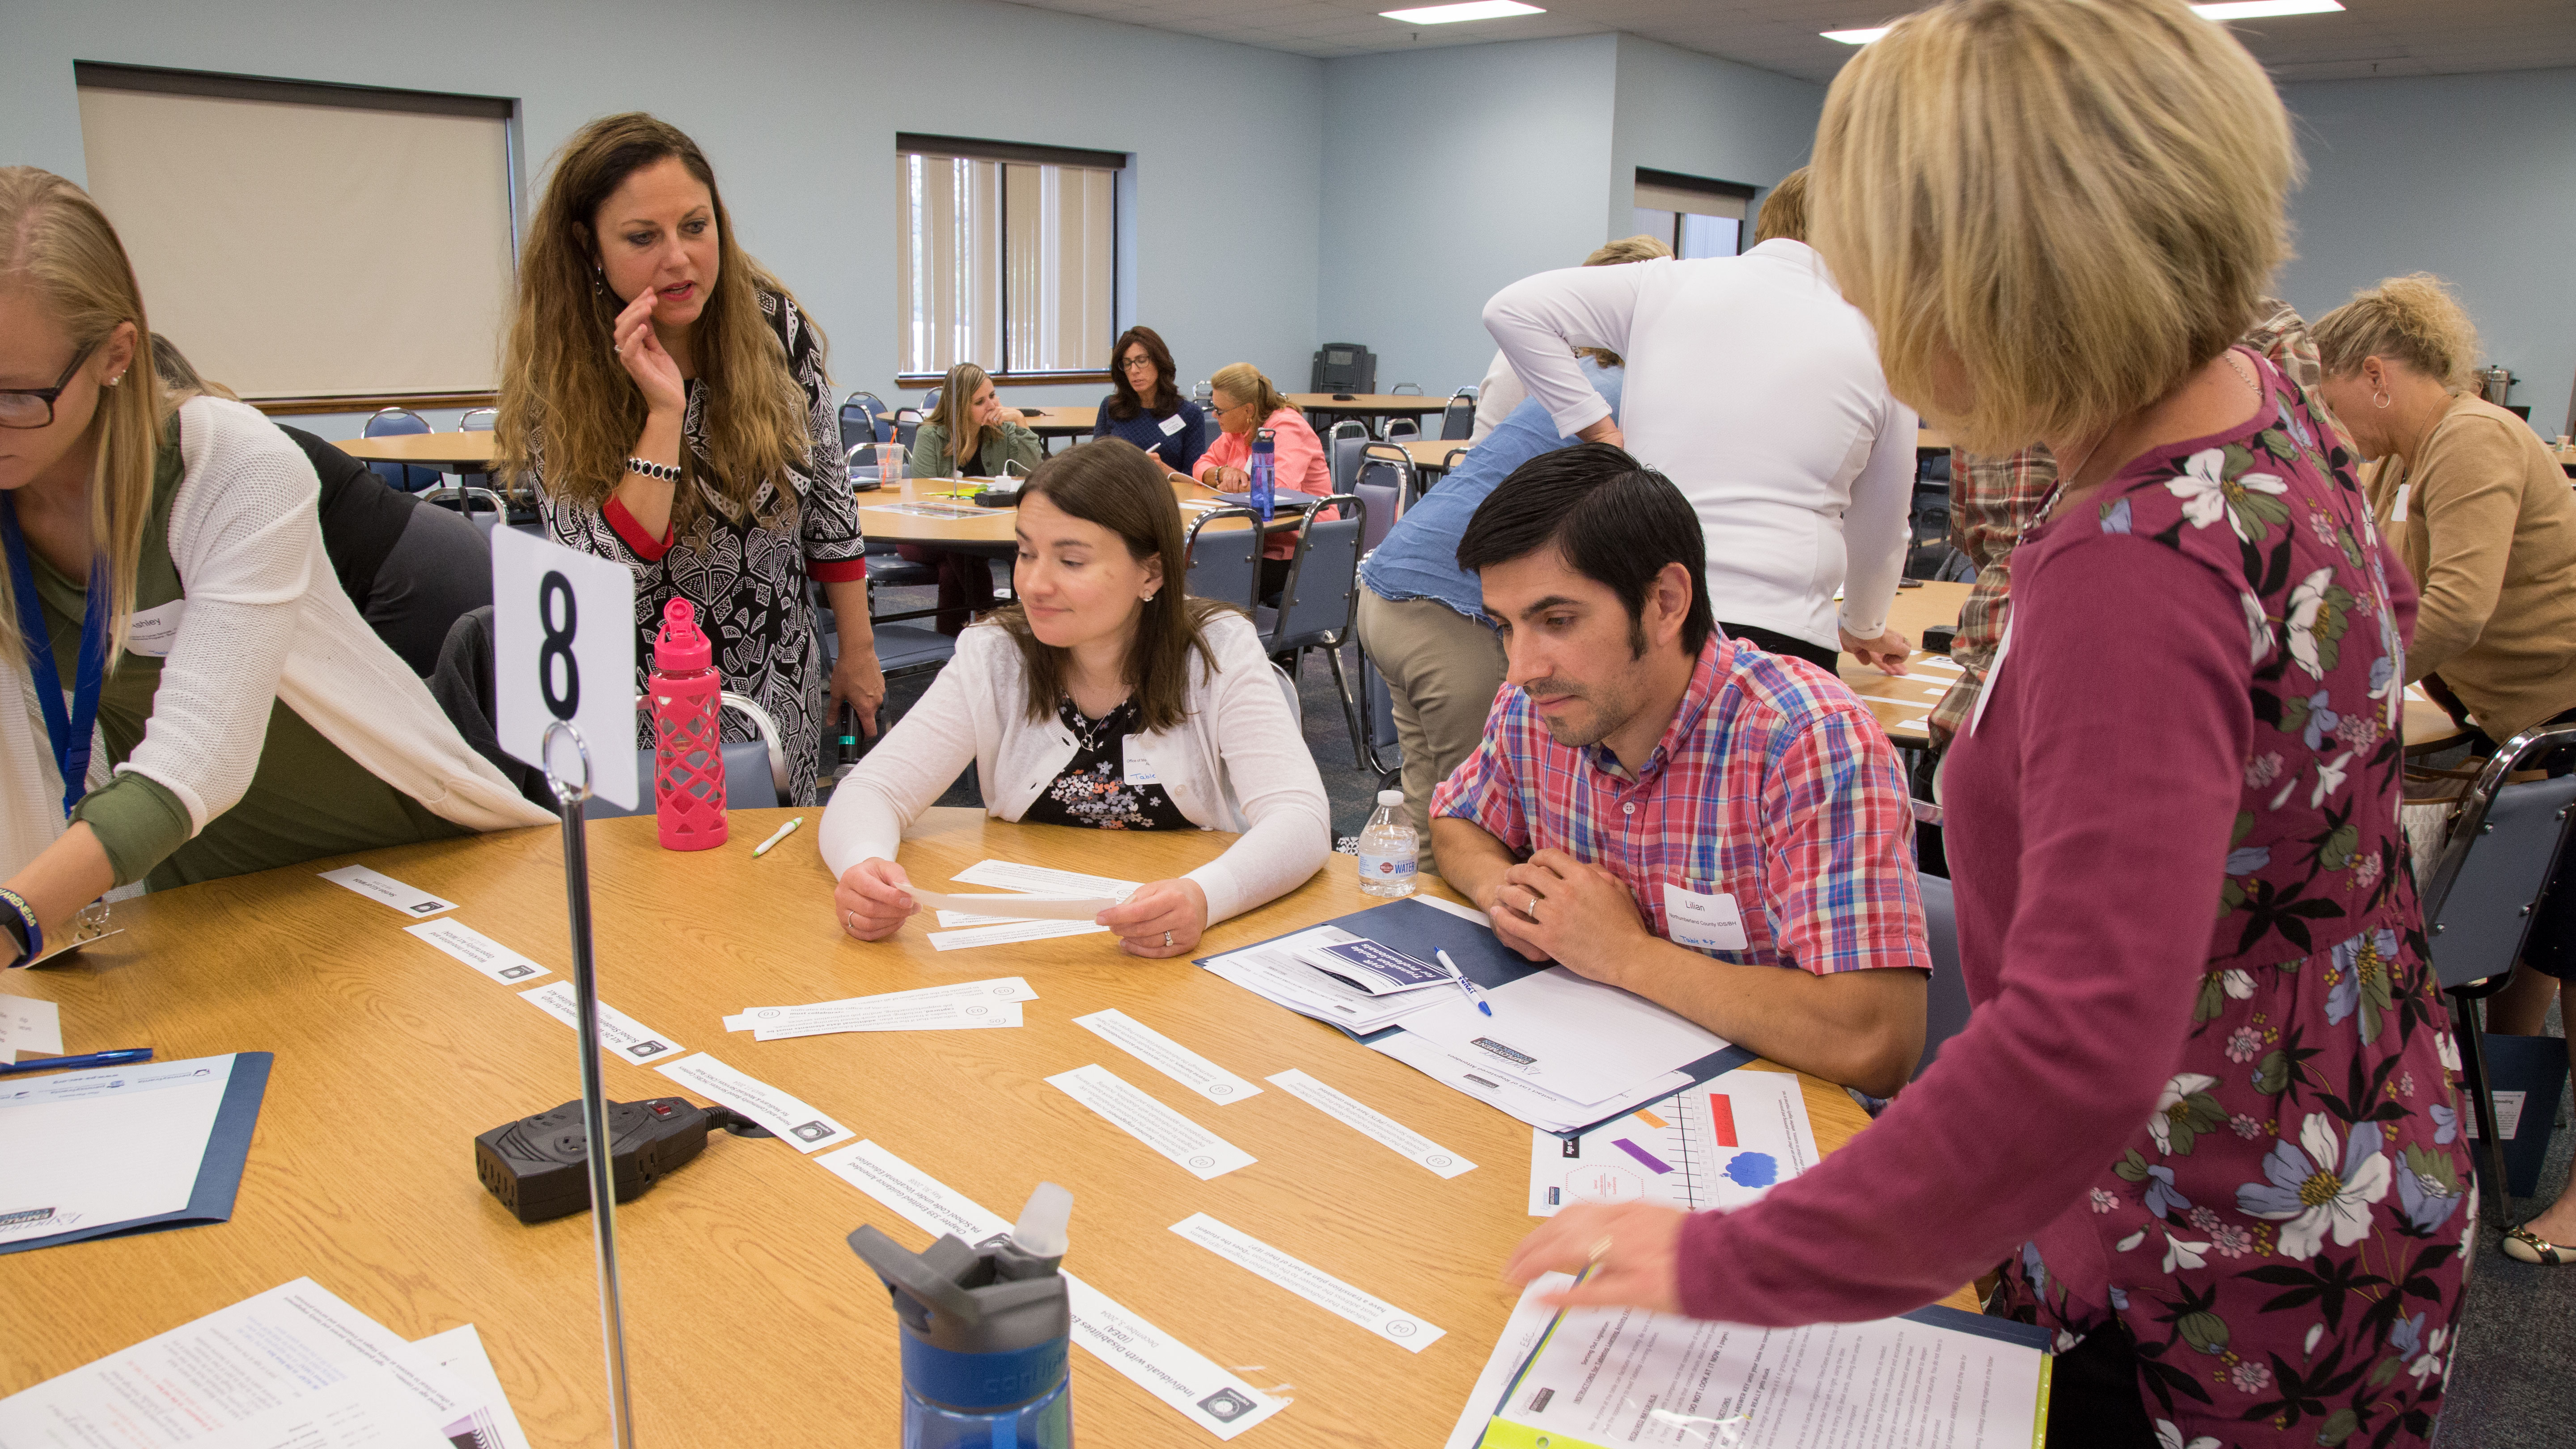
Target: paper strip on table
{"points": [[796, 1123], [618, 1032], [1310, 1283], [989, 990], [1006, 935], [410, 900], [477, 950], [1011, 906], [1371, 1123], [1204, 1393], [1195, 1148], [1167, 1056], [1010, 875]]}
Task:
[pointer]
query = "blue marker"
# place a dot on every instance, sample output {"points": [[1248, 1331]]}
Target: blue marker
{"points": [[1475, 993], [130, 1056]]}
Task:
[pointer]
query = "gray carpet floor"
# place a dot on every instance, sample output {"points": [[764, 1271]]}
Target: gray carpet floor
{"points": [[2513, 1375]]}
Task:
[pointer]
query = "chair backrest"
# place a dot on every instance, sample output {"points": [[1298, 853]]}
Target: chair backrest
{"points": [[394, 422], [1385, 479], [880, 428], [1322, 596], [1458, 420], [930, 402], [1414, 388], [1342, 452], [1225, 564], [858, 426], [1288, 687], [1945, 997], [1204, 391], [1402, 428], [479, 420], [907, 422], [2479, 896]]}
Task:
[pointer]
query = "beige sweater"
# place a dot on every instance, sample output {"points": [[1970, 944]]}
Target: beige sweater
{"points": [[2486, 522]]}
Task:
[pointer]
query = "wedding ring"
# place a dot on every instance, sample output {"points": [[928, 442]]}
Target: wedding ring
{"points": [[1531, 910], [1167, 940]]}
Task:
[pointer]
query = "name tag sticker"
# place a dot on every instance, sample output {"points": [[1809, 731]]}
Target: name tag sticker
{"points": [[1139, 766], [1174, 424], [1703, 922], [152, 632], [2396, 510]]}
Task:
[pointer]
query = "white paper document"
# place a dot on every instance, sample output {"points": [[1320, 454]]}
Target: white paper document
{"points": [[1202, 1152], [618, 1032], [410, 900], [957, 1005], [1623, 1376], [796, 1123], [1005, 934], [1575, 1039], [108, 1145], [1007, 906], [1520, 1336], [1276, 970], [1721, 1144], [1511, 1094], [293, 1368], [1309, 1282], [477, 950], [1167, 1056], [29, 1025], [492, 1426], [1171, 1371], [1372, 1123], [1009, 875]]}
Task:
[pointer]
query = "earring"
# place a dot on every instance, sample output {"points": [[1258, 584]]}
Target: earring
{"points": [[598, 281], [1149, 598], [2379, 399], [113, 381]]}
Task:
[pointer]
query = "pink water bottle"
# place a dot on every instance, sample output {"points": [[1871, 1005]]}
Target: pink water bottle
{"points": [[688, 718]]}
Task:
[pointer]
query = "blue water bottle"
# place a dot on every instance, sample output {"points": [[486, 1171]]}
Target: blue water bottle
{"points": [[1265, 471], [986, 1332]]}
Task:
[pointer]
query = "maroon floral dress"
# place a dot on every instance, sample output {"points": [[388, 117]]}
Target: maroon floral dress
{"points": [[2284, 1240]]}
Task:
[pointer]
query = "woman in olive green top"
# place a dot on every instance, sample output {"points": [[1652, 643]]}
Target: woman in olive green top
{"points": [[2486, 522], [970, 435], [229, 710]]}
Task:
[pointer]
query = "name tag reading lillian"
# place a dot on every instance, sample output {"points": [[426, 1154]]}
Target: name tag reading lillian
{"points": [[1702, 922]]}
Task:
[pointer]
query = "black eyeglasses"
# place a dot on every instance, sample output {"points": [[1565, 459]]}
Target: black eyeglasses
{"points": [[1131, 364], [34, 407]]}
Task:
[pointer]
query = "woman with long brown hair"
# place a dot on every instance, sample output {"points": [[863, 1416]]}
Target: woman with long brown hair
{"points": [[166, 572], [1148, 409], [1101, 697], [666, 397], [969, 435]]}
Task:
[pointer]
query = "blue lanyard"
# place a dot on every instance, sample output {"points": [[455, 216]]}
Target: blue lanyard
{"points": [[68, 733]]}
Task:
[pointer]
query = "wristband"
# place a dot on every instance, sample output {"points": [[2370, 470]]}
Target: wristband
{"points": [[667, 472], [20, 918]]}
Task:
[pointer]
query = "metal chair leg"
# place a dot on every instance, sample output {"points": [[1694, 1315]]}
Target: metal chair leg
{"points": [[2473, 1065], [1361, 754]]}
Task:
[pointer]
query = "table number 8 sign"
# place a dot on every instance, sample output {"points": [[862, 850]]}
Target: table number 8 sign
{"points": [[563, 619]]}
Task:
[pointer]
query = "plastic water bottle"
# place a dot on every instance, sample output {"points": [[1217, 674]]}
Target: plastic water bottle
{"points": [[1389, 851], [688, 749], [987, 1332], [1264, 471]]}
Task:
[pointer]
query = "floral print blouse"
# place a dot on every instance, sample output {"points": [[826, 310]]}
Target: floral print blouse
{"points": [[1094, 789]]}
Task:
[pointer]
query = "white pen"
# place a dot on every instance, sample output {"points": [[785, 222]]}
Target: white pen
{"points": [[762, 848], [1475, 993]]}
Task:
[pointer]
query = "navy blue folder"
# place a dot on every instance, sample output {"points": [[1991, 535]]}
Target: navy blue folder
{"points": [[1417, 929], [219, 1172]]}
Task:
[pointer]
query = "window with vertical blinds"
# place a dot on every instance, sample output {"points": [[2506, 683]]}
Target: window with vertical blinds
{"points": [[1698, 217], [1004, 257]]}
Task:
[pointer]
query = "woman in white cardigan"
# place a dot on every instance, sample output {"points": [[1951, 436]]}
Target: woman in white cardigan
{"points": [[1103, 697], [173, 641]]}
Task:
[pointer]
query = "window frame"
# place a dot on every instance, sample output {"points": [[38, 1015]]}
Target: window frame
{"points": [[1722, 191], [909, 143]]}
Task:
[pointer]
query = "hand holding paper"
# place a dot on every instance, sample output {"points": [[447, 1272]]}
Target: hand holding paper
{"points": [[872, 899], [1163, 918], [1633, 1250]]}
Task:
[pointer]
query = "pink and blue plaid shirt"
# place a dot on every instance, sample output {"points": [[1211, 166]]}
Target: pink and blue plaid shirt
{"points": [[1772, 784]]}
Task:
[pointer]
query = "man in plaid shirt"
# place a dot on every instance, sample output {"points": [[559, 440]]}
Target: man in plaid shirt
{"points": [[1670, 811], [1993, 499]]}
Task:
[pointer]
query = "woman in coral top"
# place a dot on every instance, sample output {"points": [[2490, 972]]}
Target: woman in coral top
{"points": [[1244, 403]]}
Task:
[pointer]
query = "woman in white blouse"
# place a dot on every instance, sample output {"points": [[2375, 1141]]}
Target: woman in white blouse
{"points": [[1105, 698]]}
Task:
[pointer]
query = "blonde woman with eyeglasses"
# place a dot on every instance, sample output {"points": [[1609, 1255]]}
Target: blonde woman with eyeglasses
{"points": [[2203, 1113], [189, 694]]}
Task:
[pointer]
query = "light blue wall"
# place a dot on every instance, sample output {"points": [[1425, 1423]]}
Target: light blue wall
{"points": [[1448, 174], [797, 102], [1702, 116], [2472, 177]]}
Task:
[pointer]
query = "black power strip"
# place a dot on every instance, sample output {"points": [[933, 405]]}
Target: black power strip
{"points": [[539, 1166]]}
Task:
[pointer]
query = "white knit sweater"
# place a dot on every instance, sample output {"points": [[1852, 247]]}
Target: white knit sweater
{"points": [[1236, 762], [265, 620]]}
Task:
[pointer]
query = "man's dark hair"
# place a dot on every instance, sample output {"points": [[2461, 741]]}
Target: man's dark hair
{"points": [[1617, 523]]}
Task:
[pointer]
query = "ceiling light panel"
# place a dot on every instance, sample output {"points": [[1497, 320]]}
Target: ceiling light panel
{"points": [[1470, 10]]}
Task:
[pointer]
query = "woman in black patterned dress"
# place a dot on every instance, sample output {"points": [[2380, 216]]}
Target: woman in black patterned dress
{"points": [[666, 397]]}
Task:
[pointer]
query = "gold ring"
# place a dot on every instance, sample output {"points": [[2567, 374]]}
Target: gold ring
{"points": [[1600, 1250]]}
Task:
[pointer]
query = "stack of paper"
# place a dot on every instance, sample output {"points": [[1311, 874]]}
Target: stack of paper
{"points": [[959, 1006], [293, 1366], [112, 1150], [1721, 1144], [1284, 971], [1042, 903]]}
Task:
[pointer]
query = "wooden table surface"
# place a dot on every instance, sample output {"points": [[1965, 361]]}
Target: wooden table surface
{"points": [[427, 450], [1060, 422], [987, 530], [744, 1307], [1902, 700], [1369, 404], [1431, 455]]}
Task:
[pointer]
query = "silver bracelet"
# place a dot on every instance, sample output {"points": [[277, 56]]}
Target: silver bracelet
{"points": [[667, 472]]}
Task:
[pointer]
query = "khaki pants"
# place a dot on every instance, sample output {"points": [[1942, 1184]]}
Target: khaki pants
{"points": [[1443, 670]]}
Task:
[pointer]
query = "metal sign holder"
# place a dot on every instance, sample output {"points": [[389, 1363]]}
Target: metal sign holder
{"points": [[569, 796]]}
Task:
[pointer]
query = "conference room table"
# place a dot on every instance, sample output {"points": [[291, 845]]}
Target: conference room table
{"points": [[1433, 456], [748, 1321], [468, 453], [1903, 701], [942, 512]]}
